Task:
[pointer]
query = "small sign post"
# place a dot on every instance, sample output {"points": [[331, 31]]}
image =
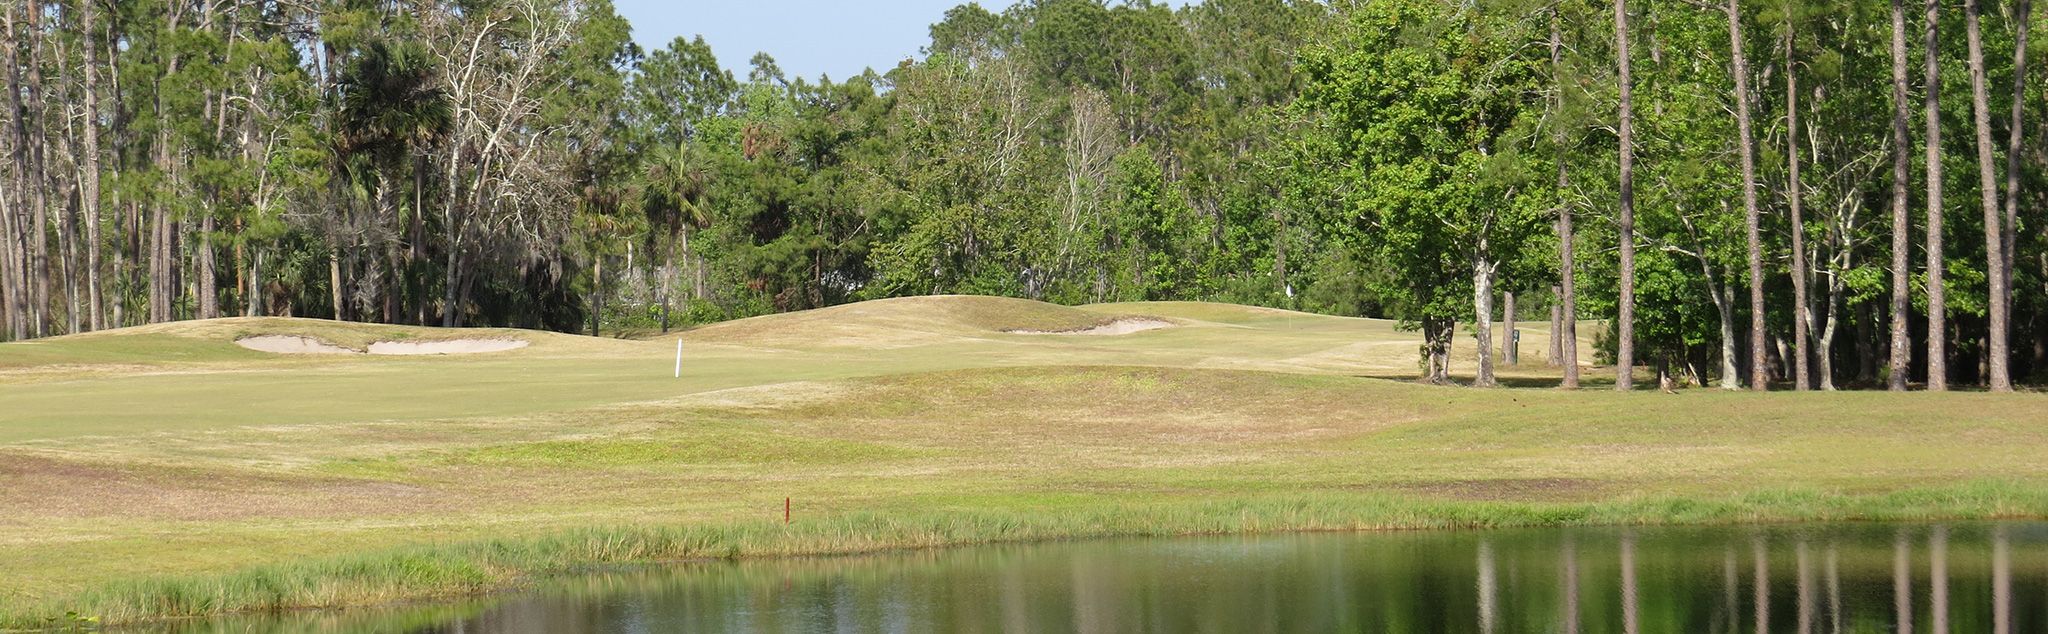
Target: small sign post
{"points": [[679, 357]]}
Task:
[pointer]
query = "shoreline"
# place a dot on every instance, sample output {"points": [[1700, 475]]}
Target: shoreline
{"points": [[433, 573]]}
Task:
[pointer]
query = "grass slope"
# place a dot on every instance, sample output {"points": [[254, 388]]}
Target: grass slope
{"points": [[163, 470]]}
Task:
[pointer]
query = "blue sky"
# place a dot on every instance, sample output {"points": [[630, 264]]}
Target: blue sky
{"points": [[807, 37]]}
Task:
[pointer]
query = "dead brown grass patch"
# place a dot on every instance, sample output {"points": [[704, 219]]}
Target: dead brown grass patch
{"points": [[58, 488]]}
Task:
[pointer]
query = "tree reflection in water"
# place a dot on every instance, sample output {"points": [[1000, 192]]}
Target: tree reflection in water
{"points": [[1824, 578]]}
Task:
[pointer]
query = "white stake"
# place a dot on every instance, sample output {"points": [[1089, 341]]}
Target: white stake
{"points": [[679, 357]]}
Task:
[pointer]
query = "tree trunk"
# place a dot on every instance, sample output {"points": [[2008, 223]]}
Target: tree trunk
{"points": [[39, 255], [251, 268], [38, 192], [1482, 320], [1280, 252], [2023, 14], [451, 308], [1902, 222], [126, 252], [393, 273], [208, 299], [1759, 344], [1802, 318], [667, 277], [67, 243], [1625, 327], [1436, 349], [417, 280], [1568, 336], [10, 272], [698, 280], [159, 256], [1510, 344], [1730, 351], [1870, 340], [695, 265], [334, 283], [596, 295], [1937, 263], [468, 288], [1723, 304], [91, 172], [188, 280], [1998, 378], [163, 281], [64, 209], [20, 238], [1828, 330], [206, 292], [1556, 356], [89, 194], [1775, 358], [394, 281], [451, 224], [255, 293]]}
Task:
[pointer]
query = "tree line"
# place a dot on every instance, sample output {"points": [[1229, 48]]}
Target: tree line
{"points": [[1807, 193]]}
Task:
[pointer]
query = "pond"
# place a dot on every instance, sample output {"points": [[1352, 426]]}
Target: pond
{"points": [[1980, 577]]}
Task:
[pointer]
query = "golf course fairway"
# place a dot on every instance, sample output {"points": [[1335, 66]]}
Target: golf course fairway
{"points": [[165, 470]]}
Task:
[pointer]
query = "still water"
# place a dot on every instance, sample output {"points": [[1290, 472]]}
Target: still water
{"points": [[1800, 578]]}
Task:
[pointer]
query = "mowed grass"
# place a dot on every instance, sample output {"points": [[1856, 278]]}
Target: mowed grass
{"points": [[164, 471]]}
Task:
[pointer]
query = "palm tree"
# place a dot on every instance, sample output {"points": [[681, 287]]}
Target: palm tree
{"points": [[393, 111], [676, 180]]}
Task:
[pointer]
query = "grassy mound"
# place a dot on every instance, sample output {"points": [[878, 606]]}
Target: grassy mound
{"points": [[902, 321], [1221, 313], [212, 340]]}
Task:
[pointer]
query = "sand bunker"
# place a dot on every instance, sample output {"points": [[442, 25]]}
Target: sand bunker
{"points": [[1118, 327], [293, 344], [452, 346], [288, 344]]}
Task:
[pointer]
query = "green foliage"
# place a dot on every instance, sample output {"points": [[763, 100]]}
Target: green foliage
{"points": [[1425, 108]]}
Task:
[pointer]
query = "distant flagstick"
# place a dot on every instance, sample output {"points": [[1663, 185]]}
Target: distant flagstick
{"points": [[679, 357]]}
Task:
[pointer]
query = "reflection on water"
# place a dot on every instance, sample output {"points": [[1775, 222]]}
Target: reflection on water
{"points": [[1806, 579], [1902, 581], [2001, 579], [1762, 586], [1629, 596], [1937, 544]]}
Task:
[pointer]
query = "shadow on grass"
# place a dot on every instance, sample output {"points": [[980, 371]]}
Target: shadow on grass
{"points": [[1587, 380], [1603, 379]]}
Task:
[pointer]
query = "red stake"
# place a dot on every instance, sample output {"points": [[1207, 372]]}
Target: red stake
{"points": [[785, 511]]}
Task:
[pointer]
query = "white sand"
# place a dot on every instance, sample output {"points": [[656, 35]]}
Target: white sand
{"points": [[452, 346], [290, 344], [1118, 327], [293, 344]]}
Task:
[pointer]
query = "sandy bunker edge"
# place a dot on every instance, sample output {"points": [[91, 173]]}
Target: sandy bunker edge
{"points": [[1122, 326]]}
